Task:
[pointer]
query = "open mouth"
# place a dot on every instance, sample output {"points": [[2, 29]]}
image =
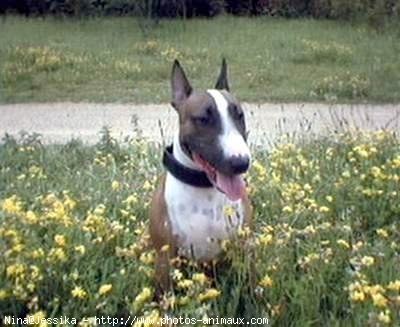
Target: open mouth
{"points": [[233, 186]]}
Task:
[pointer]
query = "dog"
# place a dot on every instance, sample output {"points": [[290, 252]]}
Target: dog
{"points": [[204, 175]]}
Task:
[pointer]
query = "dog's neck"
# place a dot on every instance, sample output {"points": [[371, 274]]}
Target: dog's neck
{"points": [[181, 156], [196, 214]]}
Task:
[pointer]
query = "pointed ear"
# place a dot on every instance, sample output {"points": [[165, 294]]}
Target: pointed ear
{"points": [[222, 82], [180, 85]]}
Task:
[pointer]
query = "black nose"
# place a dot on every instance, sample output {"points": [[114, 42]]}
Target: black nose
{"points": [[239, 164]]}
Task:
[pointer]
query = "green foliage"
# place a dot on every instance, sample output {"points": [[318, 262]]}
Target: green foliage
{"points": [[145, 8], [347, 85], [324, 249], [378, 10], [45, 60], [316, 52], [24, 62]]}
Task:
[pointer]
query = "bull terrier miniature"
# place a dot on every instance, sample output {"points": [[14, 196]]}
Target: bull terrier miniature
{"points": [[204, 174]]}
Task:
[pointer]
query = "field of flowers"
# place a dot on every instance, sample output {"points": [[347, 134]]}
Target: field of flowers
{"points": [[269, 59], [325, 245]]}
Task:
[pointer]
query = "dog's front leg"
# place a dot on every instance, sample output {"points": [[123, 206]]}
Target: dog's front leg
{"points": [[162, 271]]}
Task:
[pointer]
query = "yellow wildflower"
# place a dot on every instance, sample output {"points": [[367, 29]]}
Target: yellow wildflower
{"points": [[225, 245], [21, 177], [358, 245], [57, 254], [80, 249], [367, 260], [394, 286], [177, 274], [266, 282], [100, 210], [374, 289], [60, 240], [124, 213], [74, 275], [35, 273], [228, 210], [379, 300], [183, 300], [343, 243], [147, 186], [329, 198], [382, 233], [243, 231], [37, 253], [276, 310], [209, 294], [69, 203], [12, 205], [324, 209], [346, 174], [266, 239], [38, 318], [147, 258], [15, 270], [144, 296], [31, 217], [105, 289], [384, 317], [309, 229], [185, 283], [17, 248], [357, 296], [3, 294], [377, 172], [78, 292], [149, 320], [131, 199], [200, 278], [287, 209], [259, 168], [362, 151], [116, 186]]}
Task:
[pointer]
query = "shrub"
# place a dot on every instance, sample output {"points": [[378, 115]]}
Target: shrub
{"points": [[147, 8], [27, 60], [374, 10], [317, 52], [347, 85]]}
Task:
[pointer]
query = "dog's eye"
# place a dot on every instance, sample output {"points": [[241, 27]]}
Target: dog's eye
{"points": [[240, 115], [202, 120], [205, 119], [237, 112]]}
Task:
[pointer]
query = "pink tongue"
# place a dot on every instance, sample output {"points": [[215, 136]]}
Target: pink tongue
{"points": [[232, 186]]}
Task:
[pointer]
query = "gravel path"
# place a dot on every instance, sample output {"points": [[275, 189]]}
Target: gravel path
{"points": [[60, 122]]}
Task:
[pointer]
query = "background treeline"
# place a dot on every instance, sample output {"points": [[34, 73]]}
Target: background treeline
{"points": [[343, 9]]}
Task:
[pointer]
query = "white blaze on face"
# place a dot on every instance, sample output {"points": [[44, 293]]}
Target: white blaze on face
{"points": [[231, 141]]}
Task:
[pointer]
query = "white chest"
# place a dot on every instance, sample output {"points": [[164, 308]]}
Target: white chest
{"points": [[200, 218]]}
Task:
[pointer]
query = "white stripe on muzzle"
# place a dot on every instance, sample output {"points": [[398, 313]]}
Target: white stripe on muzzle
{"points": [[231, 141]]}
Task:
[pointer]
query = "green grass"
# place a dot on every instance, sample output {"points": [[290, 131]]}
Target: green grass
{"points": [[114, 60], [73, 223]]}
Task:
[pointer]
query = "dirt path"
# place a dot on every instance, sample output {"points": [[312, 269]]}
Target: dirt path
{"points": [[60, 122]]}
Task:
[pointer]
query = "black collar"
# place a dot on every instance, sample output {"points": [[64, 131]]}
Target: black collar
{"points": [[183, 173]]}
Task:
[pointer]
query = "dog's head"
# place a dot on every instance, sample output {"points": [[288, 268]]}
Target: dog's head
{"points": [[212, 131]]}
